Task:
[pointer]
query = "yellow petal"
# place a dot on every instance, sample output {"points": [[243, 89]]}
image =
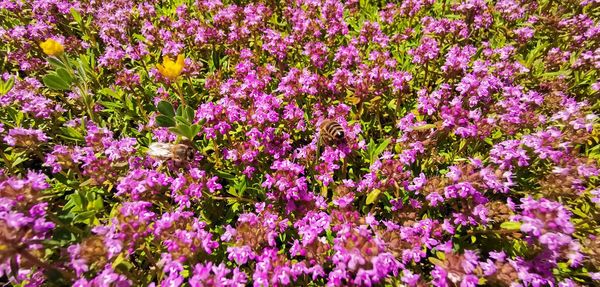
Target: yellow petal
{"points": [[180, 59], [52, 47], [161, 68]]}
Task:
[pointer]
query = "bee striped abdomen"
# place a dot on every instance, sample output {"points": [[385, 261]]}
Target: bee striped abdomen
{"points": [[331, 131], [182, 152]]}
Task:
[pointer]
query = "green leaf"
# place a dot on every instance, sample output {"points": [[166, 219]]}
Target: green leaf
{"points": [[111, 105], [373, 195], [182, 120], [511, 225], [436, 261], [425, 127], [392, 104], [462, 144], [215, 60], [110, 92], [186, 131], [235, 207], [371, 149], [63, 74], [76, 15], [195, 129], [185, 273], [81, 70], [164, 121], [98, 204], [175, 130], [84, 64], [129, 103], [225, 175], [57, 63], [382, 146], [83, 216], [166, 108], [118, 261], [580, 213], [72, 133], [139, 37], [55, 82], [7, 86], [555, 74], [232, 191], [87, 182], [398, 148], [18, 160], [189, 114], [14, 266], [240, 185], [75, 201]]}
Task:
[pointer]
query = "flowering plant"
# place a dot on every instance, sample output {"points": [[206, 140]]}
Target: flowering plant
{"points": [[299, 143]]}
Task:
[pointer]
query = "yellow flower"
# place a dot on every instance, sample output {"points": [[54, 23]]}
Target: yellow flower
{"points": [[170, 69], [52, 48]]}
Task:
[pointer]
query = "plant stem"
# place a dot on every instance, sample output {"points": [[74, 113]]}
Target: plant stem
{"points": [[179, 92], [216, 197], [426, 74], [217, 154]]}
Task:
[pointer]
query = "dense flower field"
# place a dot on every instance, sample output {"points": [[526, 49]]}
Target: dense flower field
{"points": [[295, 143]]}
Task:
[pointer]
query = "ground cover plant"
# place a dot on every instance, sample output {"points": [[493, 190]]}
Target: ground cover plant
{"points": [[299, 143]]}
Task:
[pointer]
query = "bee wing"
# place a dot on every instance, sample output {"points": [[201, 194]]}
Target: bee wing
{"points": [[160, 150]]}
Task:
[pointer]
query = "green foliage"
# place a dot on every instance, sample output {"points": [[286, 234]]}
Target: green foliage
{"points": [[57, 82], [6, 86], [180, 121]]}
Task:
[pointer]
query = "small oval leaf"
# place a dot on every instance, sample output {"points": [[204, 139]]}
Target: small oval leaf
{"points": [[186, 131], [373, 195], [189, 114], [7, 86], [164, 121], [511, 225], [57, 63], [166, 108], [53, 81], [63, 74]]}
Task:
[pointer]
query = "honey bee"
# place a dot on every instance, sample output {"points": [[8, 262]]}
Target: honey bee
{"points": [[179, 153], [331, 132]]}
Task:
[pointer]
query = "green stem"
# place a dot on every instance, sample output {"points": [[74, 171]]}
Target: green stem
{"points": [[138, 99], [217, 153], [81, 86], [65, 60], [179, 92], [88, 103], [426, 74], [216, 197]]}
